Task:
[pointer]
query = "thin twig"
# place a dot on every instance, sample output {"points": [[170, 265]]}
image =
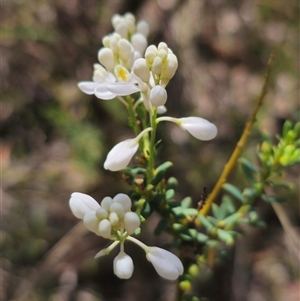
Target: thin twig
{"points": [[236, 153]]}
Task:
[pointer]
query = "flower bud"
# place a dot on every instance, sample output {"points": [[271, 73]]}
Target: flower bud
{"points": [[125, 49], [106, 58], [157, 65], [198, 127], [123, 266], [130, 22], [150, 54], [131, 222], [104, 228], [119, 157], [118, 209], [106, 203], [81, 204], [166, 264], [114, 40], [101, 213], [158, 96], [171, 65], [141, 69], [143, 28], [91, 221], [113, 218], [124, 200], [139, 42], [122, 30], [163, 45]]}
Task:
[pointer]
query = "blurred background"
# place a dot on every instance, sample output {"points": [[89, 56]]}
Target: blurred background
{"points": [[54, 140]]}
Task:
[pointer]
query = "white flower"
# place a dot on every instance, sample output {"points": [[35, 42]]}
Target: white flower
{"points": [[123, 266], [198, 127], [121, 154], [105, 219], [166, 264]]}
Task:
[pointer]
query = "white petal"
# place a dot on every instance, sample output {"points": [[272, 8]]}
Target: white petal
{"points": [[123, 266], [102, 92], [200, 128], [121, 154], [81, 204], [123, 88], [88, 87], [131, 222], [166, 264]]}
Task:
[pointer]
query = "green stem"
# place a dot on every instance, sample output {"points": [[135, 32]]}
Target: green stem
{"points": [[134, 124], [152, 151]]}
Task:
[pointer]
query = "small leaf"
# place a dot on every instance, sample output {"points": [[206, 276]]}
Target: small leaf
{"points": [[216, 211], [201, 237], [160, 171], [225, 236], [231, 220], [186, 202], [190, 211], [249, 169], [170, 194], [234, 191], [205, 222]]}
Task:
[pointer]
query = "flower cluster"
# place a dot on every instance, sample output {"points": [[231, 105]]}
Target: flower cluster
{"points": [[114, 220], [128, 67]]}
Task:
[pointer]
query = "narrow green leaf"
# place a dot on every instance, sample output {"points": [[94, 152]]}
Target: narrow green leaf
{"points": [[205, 222], [249, 169], [234, 191], [160, 172], [225, 236]]}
